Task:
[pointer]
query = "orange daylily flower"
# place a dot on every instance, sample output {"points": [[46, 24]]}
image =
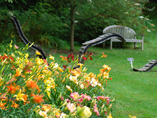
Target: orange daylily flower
{"points": [[46, 107], [2, 105], [104, 55], [64, 58], [13, 88], [18, 73], [32, 85], [37, 98], [25, 98], [14, 104]]}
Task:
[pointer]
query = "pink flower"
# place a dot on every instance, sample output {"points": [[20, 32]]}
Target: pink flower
{"points": [[96, 110], [101, 98], [67, 100], [74, 95], [108, 101], [16, 46], [71, 107], [45, 62], [62, 98], [87, 97], [80, 100]]}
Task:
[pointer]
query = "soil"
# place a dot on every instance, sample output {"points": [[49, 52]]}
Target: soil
{"points": [[64, 51]]}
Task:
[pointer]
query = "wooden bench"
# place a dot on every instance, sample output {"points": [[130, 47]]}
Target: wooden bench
{"points": [[126, 32]]}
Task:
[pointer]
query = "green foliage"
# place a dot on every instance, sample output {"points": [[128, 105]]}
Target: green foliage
{"points": [[97, 15], [38, 25], [48, 22]]}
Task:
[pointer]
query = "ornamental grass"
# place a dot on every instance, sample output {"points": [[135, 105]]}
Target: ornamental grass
{"points": [[33, 87]]}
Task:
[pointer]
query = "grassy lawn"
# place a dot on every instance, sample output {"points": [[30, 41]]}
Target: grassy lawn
{"points": [[134, 92]]}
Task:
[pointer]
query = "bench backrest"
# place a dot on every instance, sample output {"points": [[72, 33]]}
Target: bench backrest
{"points": [[125, 32]]}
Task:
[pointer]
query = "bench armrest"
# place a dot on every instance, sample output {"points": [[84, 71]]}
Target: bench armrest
{"points": [[142, 36], [139, 34]]}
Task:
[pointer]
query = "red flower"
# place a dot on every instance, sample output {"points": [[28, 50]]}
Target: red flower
{"points": [[71, 56], [84, 58], [64, 66]]}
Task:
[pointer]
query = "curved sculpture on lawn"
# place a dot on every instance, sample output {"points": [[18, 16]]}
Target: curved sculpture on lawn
{"points": [[25, 40], [147, 67], [98, 40]]}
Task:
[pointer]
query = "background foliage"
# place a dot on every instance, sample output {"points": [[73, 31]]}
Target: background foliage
{"points": [[48, 22]]}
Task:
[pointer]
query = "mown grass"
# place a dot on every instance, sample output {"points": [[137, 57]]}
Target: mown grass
{"points": [[134, 92]]}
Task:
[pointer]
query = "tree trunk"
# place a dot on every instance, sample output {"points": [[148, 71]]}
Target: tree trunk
{"points": [[72, 14]]}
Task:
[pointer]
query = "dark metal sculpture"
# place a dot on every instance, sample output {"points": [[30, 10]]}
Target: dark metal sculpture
{"points": [[25, 40], [97, 41], [147, 67]]}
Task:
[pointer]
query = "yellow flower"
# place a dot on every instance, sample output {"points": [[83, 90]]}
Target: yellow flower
{"points": [[1, 81], [26, 56], [51, 57], [76, 72], [46, 107], [105, 66], [93, 82], [80, 64], [69, 88], [48, 92], [12, 54], [11, 46], [43, 113], [83, 112], [20, 96], [132, 116], [73, 78], [81, 86], [39, 61], [60, 69], [99, 75], [87, 78], [105, 75], [109, 116], [37, 53]]}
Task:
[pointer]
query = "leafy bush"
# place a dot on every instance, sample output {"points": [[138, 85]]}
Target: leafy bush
{"points": [[126, 13], [32, 87]]}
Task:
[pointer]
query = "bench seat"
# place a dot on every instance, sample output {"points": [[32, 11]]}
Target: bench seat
{"points": [[127, 33]]}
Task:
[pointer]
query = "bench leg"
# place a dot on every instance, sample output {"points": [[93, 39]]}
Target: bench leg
{"points": [[110, 44], [142, 46], [135, 45]]}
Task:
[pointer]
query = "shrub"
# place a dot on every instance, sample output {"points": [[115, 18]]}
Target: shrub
{"points": [[32, 87]]}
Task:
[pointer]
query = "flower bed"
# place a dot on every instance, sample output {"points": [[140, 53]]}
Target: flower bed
{"points": [[32, 87]]}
